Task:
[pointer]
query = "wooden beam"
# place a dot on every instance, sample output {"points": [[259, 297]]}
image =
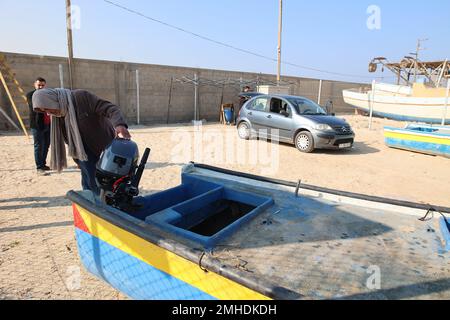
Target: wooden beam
{"points": [[9, 119], [442, 73], [13, 104]]}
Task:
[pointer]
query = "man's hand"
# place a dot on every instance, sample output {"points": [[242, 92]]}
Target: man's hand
{"points": [[122, 132]]}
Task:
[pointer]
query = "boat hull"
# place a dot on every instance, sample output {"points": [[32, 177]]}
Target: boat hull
{"points": [[412, 140], [143, 270], [400, 108]]}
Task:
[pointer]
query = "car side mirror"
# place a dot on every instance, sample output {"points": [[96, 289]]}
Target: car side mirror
{"points": [[285, 113], [333, 114]]}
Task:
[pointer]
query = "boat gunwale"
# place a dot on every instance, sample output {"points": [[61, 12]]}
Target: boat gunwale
{"points": [[410, 131], [359, 196]]}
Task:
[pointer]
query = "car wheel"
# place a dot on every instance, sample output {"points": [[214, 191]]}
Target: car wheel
{"points": [[244, 130], [304, 142]]}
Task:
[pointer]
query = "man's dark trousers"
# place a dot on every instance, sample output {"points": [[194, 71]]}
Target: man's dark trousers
{"points": [[41, 139], [88, 171]]}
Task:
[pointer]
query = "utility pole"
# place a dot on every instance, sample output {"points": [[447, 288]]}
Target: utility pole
{"points": [[69, 40], [195, 97], [280, 29], [416, 54], [138, 98]]}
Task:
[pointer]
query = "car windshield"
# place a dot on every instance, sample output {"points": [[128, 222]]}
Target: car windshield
{"points": [[305, 106]]}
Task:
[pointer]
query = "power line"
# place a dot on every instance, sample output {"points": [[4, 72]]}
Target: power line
{"points": [[231, 46]]}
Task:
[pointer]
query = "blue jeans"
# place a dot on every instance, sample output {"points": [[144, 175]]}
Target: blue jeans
{"points": [[41, 144], [88, 172]]}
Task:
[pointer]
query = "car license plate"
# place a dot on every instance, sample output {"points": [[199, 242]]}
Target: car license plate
{"points": [[345, 145]]}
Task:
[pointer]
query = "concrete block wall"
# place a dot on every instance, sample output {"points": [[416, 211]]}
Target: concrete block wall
{"points": [[116, 82]]}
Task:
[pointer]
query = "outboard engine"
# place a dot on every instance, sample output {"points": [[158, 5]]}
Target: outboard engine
{"points": [[118, 174]]}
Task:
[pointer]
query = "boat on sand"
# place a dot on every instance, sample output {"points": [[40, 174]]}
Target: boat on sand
{"points": [[222, 234], [407, 100]]}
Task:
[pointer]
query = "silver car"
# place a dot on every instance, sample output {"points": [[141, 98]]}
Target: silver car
{"points": [[294, 120]]}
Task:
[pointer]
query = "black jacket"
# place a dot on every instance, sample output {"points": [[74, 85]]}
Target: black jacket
{"points": [[96, 119], [36, 118]]}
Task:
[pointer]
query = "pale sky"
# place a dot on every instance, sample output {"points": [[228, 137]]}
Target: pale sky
{"points": [[327, 35]]}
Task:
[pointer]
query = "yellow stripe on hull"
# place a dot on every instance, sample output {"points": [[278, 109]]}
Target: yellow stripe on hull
{"points": [[419, 138], [166, 261]]}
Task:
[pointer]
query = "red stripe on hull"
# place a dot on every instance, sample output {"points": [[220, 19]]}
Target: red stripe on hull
{"points": [[78, 220]]}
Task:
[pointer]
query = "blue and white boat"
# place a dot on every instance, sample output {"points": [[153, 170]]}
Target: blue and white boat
{"points": [[228, 235], [434, 140]]}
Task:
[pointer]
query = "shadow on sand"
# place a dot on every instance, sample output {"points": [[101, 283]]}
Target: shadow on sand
{"points": [[37, 226], [35, 202]]}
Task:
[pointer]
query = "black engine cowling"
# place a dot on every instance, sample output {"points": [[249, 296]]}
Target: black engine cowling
{"points": [[118, 174]]}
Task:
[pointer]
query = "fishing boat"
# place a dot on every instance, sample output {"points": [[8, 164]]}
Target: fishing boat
{"points": [[222, 234], [433, 140], [408, 99]]}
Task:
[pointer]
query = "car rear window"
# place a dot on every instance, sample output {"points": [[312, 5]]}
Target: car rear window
{"points": [[258, 104]]}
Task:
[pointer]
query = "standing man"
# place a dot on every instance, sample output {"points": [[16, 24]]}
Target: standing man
{"points": [[86, 123], [243, 98], [40, 128]]}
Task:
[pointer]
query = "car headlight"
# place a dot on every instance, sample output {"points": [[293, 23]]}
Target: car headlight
{"points": [[323, 127]]}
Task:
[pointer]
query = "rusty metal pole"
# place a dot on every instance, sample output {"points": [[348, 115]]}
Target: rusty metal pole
{"points": [[320, 92], [444, 116], [415, 61], [372, 104], [280, 29], [69, 40], [195, 97], [138, 98]]}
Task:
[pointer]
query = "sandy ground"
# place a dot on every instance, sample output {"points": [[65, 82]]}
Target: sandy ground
{"points": [[38, 252]]}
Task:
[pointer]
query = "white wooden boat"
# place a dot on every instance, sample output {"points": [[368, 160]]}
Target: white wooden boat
{"points": [[423, 96], [417, 103]]}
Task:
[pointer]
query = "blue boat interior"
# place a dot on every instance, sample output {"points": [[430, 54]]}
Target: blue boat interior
{"points": [[437, 130], [422, 129], [201, 211], [411, 143]]}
